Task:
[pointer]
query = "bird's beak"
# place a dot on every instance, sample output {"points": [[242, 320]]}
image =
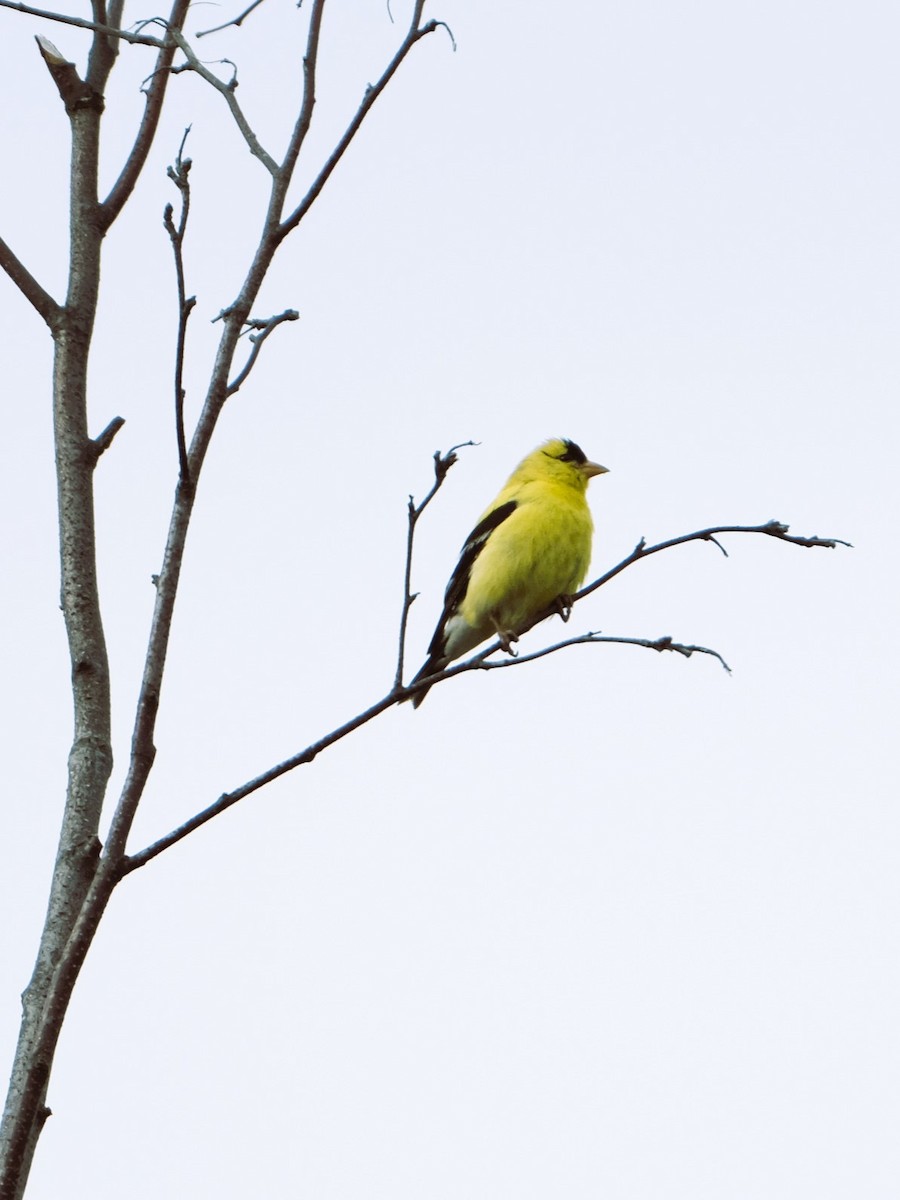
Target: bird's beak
{"points": [[589, 470]]}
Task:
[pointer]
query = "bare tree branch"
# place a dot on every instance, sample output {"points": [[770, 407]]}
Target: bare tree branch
{"points": [[482, 660], [227, 799], [134, 861], [773, 529], [660, 644], [137, 39], [77, 862], [104, 440], [179, 174], [414, 34], [442, 464], [156, 92], [42, 302], [235, 20], [265, 325], [227, 90], [304, 117], [75, 92]]}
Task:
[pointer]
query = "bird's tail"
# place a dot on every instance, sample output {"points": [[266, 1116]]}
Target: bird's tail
{"points": [[431, 667]]}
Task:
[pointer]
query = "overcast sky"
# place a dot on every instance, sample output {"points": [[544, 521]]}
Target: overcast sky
{"points": [[613, 924]]}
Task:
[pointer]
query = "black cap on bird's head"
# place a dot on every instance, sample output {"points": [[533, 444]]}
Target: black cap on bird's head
{"points": [[573, 453]]}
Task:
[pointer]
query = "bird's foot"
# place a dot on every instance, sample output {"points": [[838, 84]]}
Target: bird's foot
{"points": [[563, 605], [506, 638]]}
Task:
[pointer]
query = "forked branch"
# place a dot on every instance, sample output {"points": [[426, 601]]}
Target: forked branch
{"points": [[414, 34], [775, 529], [258, 328], [227, 90], [155, 93], [442, 464]]}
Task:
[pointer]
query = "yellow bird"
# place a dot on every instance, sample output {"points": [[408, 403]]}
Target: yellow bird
{"points": [[531, 547]]}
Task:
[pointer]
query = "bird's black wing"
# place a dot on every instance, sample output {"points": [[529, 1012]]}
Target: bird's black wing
{"points": [[459, 580]]}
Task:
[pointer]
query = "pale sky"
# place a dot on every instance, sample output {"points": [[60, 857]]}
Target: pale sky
{"points": [[611, 925]]}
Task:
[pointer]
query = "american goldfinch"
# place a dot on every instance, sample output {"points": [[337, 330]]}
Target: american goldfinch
{"points": [[532, 546]]}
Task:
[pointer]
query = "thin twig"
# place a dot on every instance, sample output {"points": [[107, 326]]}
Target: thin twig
{"points": [[179, 174], [155, 93], [414, 34], [133, 862], [265, 326], [235, 21], [137, 39], [103, 440], [227, 799], [443, 25], [227, 89], [775, 529], [660, 644], [307, 104], [442, 464], [482, 660]]}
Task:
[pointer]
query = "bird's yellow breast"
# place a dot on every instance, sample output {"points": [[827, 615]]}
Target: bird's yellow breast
{"points": [[540, 552]]}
